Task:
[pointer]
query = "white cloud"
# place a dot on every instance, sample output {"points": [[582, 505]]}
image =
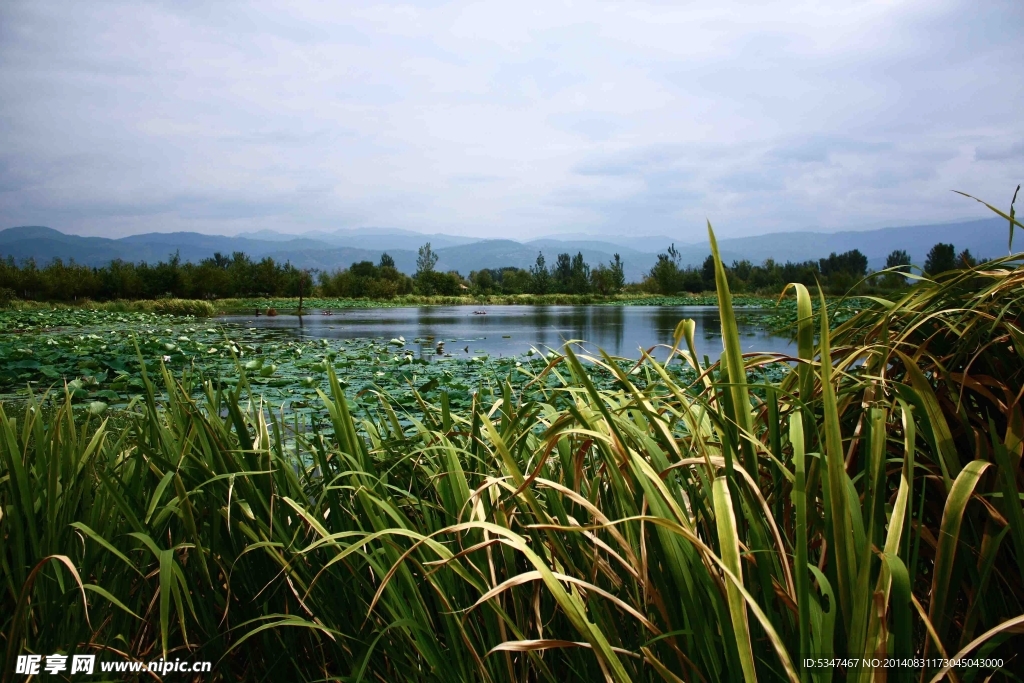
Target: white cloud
{"points": [[484, 118]]}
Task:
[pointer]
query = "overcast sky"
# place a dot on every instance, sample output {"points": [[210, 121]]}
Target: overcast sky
{"points": [[509, 119]]}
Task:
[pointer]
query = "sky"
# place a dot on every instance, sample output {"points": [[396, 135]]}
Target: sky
{"points": [[501, 119]]}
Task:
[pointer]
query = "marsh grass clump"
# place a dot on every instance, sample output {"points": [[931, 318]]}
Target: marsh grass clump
{"points": [[193, 307], [861, 499], [184, 307]]}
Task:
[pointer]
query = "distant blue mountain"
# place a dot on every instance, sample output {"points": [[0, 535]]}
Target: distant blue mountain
{"points": [[340, 249], [368, 238]]}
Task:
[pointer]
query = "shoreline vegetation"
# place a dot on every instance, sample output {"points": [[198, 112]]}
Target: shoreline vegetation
{"points": [[315, 305], [863, 503], [775, 313], [238, 281]]}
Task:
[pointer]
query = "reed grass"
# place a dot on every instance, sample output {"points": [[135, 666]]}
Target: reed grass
{"points": [[194, 307], [867, 504], [316, 304]]}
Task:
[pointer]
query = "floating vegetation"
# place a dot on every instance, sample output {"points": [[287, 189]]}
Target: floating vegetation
{"points": [[97, 353]]}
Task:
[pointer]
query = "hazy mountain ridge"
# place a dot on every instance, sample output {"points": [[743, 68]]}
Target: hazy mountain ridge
{"points": [[340, 249], [366, 238]]}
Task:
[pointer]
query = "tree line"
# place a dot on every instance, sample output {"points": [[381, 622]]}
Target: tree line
{"points": [[568, 275], [837, 273], [212, 278], [238, 276]]}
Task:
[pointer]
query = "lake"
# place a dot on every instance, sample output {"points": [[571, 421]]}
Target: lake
{"points": [[513, 330]]}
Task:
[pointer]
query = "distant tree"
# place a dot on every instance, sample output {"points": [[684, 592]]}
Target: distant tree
{"points": [[766, 276], [562, 272], [965, 259], [940, 258], [665, 275], [516, 280], [448, 284], [579, 275], [742, 270], [852, 263], [363, 269], [166, 277], [842, 272], [426, 260], [618, 274], [601, 279], [898, 258], [243, 275], [539, 276], [608, 279], [707, 272], [386, 261], [483, 280]]}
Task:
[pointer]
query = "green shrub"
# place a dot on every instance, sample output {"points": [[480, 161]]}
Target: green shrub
{"points": [[7, 297], [193, 307]]}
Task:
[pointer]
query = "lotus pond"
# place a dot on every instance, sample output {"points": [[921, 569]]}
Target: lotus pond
{"points": [[97, 354]]}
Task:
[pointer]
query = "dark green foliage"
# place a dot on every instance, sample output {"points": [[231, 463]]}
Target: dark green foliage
{"points": [[365, 280], [851, 263], [608, 279], [501, 281], [897, 263], [570, 275], [669, 277], [838, 273], [562, 272], [483, 281], [579, 275], [426, 260], [432, 283], [965, 259], [540, 278], [898, 259], [213, 278], [940, 259]]}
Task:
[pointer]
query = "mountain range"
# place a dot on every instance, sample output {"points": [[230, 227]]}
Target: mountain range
{"points": [[339, 249]]}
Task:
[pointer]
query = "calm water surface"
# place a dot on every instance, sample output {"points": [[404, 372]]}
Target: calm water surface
{"points": [[512, 330]]}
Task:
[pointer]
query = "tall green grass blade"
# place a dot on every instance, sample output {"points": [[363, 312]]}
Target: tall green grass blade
{"points": [[729, 544], [949, 540], [842, 532], [733, 355], [803, 589]]}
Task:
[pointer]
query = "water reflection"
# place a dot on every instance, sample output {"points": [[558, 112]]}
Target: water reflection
{"points": [[512, 330]]}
